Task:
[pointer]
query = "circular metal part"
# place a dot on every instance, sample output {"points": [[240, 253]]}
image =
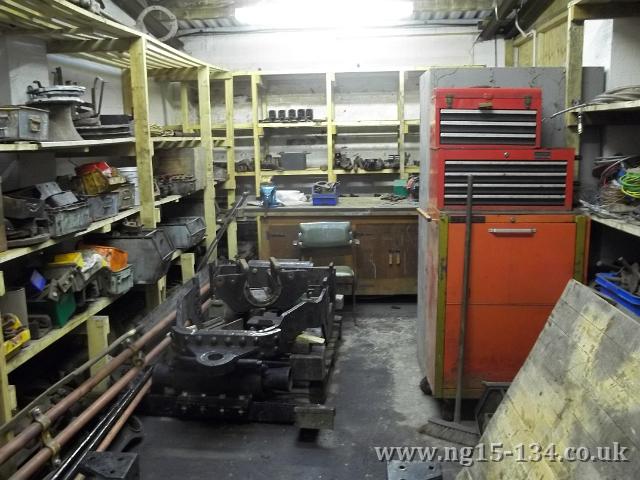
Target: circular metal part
{"points": [[173, 21]]}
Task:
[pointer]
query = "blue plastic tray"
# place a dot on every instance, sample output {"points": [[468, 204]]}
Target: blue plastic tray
{"points": [[324, 199], [616, 293]]}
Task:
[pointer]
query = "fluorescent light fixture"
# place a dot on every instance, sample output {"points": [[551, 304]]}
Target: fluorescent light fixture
{"points": [[324, 13]]}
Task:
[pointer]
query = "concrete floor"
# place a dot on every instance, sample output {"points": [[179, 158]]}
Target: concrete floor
{"points": [[378, 403]]}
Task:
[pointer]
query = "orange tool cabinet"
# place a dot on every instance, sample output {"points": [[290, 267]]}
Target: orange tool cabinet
{"points": [[520, 264]]}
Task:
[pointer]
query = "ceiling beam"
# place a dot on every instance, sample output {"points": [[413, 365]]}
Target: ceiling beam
{"points": [[452, 5]]}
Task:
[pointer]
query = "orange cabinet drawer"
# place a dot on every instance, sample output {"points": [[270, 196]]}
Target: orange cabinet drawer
{"points": [[512, 263]]}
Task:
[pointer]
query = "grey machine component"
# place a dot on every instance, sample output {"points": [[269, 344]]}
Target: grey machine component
{"points": [[22, 123], [149, 251], [60, 100], [254, 366], [184, 232]]}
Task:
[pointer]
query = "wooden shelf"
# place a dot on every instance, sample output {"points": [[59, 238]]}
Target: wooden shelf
{"points": [[621, 225], [366, 172], [308, 171], [158, 143], [321, 124], [76, 31], [368, 124], [105, 224], [36, 346]]}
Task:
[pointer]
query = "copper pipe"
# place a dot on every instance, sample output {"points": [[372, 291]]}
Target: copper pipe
{"points": [[113, 433], [33, 430], [39, 459]]}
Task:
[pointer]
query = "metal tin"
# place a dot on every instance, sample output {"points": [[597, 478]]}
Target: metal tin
{"points": [[149, 252], [126, 196], [20, 123], [104, 205], [117, 283], [69, 219], [184, 232]]}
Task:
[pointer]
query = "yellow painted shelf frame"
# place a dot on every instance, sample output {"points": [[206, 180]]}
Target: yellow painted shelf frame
{"points": [[72, 30]]}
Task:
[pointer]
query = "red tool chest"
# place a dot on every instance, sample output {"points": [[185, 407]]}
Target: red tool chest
{"points": [[525, 243], [520, 264], [504, 179], [484, 116]]}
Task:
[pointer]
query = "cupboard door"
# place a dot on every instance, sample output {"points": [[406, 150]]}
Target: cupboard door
{"points": [[387, 257], [520, 263], [497, 343], [278, 240]]}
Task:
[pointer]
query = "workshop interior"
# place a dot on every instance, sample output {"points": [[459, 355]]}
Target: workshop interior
{"points": [[319, 239]]}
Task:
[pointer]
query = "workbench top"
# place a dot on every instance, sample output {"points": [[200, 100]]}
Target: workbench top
{"points": [[348, 206]]}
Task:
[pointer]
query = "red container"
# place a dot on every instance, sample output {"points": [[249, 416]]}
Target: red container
{"points": [[484, 117], [504, 179]]}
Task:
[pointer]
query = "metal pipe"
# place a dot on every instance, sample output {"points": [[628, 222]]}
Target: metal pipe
{"points": [[71, 463], [39, 459], [33, 430], [126, 415], [113, 433], [7, 427], [464, 308]]}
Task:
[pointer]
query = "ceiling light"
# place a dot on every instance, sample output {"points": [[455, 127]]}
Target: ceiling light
{"points": [[324, 13]]}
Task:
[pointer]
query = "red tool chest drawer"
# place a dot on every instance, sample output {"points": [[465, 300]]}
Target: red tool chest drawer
{"points": [[503, 179], [520, 262], [482, 116]]}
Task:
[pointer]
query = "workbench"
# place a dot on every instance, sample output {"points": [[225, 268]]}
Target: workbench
{"points": [[387, 256]]}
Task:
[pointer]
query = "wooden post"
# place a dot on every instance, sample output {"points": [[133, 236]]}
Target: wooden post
{"points": [[204, 102], [98, 341], [255, 110], [331, 128], [575, 41], [185, 108], [144, 145], [232, 232], [127, 98], [401, 123]]}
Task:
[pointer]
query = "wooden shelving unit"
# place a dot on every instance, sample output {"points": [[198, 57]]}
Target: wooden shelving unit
{"points": [[328, 127], [69, 29]]}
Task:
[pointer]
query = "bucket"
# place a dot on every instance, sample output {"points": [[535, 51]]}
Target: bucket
{"points": [[131, 174]]}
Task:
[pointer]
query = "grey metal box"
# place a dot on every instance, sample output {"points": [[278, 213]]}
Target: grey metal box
{"points": [[23, 123], [293, 160], [184, 232], [149, 252]]}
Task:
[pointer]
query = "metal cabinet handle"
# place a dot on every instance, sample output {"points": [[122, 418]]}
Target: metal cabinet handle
{"points": [[513, 231], [397, 257], [390, 257]]}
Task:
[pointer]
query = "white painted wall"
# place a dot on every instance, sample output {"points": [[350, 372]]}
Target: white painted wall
{"points": [[346, 50]]}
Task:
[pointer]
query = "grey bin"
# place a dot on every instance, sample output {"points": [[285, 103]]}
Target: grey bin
{"points": [[126, 196], [184, 232], [149, 252], [68, 219], [117, 283], [103, 205], [22, 123]]}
